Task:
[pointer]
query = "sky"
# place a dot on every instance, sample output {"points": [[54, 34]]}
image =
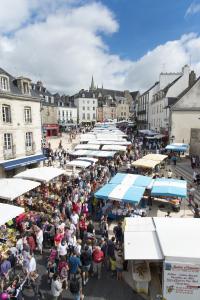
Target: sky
{"points": [[124, 44]]}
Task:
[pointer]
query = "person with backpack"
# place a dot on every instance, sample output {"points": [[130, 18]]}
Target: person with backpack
{"points": [[75, 286], [74, 264], [97, 259], [118, 233], [86, 260]]}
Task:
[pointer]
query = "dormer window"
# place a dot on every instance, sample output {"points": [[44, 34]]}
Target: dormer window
{"points": [[4, 85], [83, 95], [26, 88]]}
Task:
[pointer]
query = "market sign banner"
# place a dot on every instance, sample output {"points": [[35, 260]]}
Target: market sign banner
{"points": [[181, 281]]}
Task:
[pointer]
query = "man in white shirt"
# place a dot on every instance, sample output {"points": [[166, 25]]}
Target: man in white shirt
{"points": [[74, 218], [32, 264]]}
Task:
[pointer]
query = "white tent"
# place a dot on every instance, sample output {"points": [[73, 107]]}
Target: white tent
{"points": [[90, 159], [80, 152], [9, 212], [140, 240], [43, 174], [79, 163], [107, 142], [11, 188], [87, 147], [114, 147]]}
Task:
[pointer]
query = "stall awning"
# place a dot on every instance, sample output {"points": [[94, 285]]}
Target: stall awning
{"points": [[87, 147], [79, 164], [141, 245], [103, 142], [179, 147], [9, 212], [101, 153], [131, 179], [114, 147], [21, 162], [11, 188], [145, 163], [80, 152], [90, 159], [155, 157], [121, 192], [169, 187], [43, 174]]}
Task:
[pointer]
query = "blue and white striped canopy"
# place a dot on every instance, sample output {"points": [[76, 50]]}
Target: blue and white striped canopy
{"points": [[169, 187], [120, 192], [131, 179]]}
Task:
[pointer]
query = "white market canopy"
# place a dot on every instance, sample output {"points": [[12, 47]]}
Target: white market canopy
{"points": [[43, 174], [155, 157], [9, 212], [79, 164], [79, 152], [107, 142], [11, 188], [90, 159], [114, 147], [174, 239], [87, 147], [145, 163], [101, 153], [140, 240]]}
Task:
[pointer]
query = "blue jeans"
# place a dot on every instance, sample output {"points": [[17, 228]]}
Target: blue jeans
{"points": [[77, 296]]}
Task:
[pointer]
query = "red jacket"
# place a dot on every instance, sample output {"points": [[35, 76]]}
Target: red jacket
{"points": [[97, 256]]}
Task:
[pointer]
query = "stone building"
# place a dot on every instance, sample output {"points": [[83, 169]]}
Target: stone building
{"points": [[20, 125]]}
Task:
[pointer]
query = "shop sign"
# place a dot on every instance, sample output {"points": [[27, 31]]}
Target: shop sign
{"points": [[181, 281]]}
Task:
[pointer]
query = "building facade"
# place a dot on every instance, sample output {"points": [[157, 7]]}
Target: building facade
{"points": [[20, 125], [49, 110], [86, 104], [186, 111]]}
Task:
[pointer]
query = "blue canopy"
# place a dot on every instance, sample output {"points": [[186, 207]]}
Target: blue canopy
{"points": [[169, 187], [120, 192], [131, 179], [177, 147]]}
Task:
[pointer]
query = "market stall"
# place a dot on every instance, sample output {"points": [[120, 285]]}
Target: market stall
{"points": [[43, 174], [155, 157], [177, 147], [102, 154], [114, 148], [9, 212], [131, 179], [168, 245], [87, 147], [169, 188], [79, 152], [11, 188], [145, 163], [79, 164], [90, 159], [108, 142]]}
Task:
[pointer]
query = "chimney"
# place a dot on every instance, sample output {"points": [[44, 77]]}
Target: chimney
{"points": [[192, 78]]}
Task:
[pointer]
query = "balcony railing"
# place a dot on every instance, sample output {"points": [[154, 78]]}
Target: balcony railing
{"points": [[9, 153], [31, 149]]}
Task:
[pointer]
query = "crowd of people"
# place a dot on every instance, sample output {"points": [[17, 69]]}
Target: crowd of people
{"points": [[67, 228]]}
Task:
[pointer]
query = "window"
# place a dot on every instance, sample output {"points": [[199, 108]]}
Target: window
{"points": [[4, 83], [83, 95], [93, 108], [7, 141], [94, 116], [70, 114], [83, 107], [83, 116], [6, 112], [25, 88], [88, 108], [88, 102], [27, 114], [93, 102], [29, 139], [88, 116]]}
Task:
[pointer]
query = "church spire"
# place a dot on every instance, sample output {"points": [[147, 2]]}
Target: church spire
{"points": [[92, 87]]}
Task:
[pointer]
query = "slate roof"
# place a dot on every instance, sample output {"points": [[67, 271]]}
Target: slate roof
{"points": [[134, 95], [14, 89]]}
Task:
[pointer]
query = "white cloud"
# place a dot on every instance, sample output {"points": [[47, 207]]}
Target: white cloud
{"points": [[63, 46], [169, 57], [194, 8]]}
